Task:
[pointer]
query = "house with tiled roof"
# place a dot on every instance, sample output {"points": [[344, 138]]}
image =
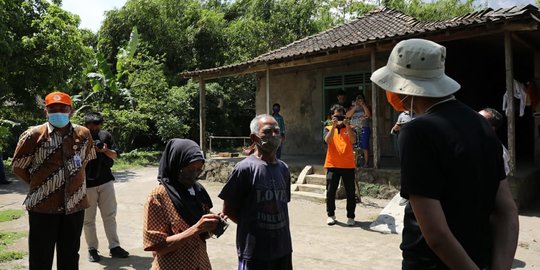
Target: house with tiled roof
{"points": [[486, 50]]}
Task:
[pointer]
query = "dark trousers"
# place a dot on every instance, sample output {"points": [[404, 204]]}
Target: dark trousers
{"points": [[283, 263], [332, 182], [50, 230]]}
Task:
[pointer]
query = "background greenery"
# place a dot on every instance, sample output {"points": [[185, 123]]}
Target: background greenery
{"points": [[129, 69]]}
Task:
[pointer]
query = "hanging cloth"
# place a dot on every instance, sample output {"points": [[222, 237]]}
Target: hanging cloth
{"points": [[519, 93]]}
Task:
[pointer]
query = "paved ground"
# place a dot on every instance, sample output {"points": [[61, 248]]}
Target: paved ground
{"points": [[316, 245]]}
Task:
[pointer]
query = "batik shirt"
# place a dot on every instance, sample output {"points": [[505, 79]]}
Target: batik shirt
{"points": [[161, 220], [55, 164]]}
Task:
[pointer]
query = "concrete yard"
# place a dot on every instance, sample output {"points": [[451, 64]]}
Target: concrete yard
{"points": [[316, 245]]}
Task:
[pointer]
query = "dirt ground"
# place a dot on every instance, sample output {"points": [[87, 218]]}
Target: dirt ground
{"points": [[316, 245]]}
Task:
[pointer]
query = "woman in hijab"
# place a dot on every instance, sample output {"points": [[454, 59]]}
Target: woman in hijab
{"points": [[177, 218]]}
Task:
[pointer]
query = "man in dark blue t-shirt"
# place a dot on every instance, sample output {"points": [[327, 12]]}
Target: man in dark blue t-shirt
{"points": [[256, 197], [461, 214]]}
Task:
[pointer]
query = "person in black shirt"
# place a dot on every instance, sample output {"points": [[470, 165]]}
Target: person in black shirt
{"points": [[461, 214], [100, 190]]}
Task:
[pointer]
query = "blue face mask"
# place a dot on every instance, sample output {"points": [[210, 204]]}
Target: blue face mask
{"points": [[59, 120]]}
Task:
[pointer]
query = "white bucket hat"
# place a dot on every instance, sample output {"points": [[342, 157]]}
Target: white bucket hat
{"points": [[416, 67]]}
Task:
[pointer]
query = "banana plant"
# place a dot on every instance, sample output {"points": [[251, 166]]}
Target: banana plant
{"points": [[104, 81]]}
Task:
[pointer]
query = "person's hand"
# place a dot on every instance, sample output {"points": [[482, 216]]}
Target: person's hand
{"points": [[207, 223], [396, 128], [346, 122], [335, 122], [223, 216], [103, 149]]}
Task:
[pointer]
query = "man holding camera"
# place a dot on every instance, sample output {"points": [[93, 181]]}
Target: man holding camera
{"points": [[340, 163], [100, 190]]}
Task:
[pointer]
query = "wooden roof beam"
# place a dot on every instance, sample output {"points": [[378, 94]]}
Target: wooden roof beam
{"points": [[449, 35], [531, 44], [339, 55], [307, 60], [481, 31]]}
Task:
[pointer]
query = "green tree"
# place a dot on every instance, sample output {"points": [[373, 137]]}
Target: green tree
{"points": [[434, 11], [335, 12], [167, 27], [41, 49]]}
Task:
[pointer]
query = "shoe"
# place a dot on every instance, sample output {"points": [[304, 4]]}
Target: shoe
{"points": [[93, 255], [350, 222], [118, 252], [403, 202], [331, 220]]}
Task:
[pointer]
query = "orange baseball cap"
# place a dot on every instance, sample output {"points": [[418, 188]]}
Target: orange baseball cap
{"points": [[57, 98]]}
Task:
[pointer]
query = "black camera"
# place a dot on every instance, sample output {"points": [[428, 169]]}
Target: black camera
{"points": [[99, 144], [340, 117], [221, 227]]}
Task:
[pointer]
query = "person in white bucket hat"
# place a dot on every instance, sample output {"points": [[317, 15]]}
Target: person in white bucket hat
{"points": [[461, 214]]}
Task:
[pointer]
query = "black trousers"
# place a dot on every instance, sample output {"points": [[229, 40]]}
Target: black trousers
{"points": [[282, 263], [332, 182], [50, 230]]}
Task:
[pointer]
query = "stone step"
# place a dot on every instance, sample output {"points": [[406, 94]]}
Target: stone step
{"points": [[316, 179], [312, 188], [314, 197], [318, 169]]}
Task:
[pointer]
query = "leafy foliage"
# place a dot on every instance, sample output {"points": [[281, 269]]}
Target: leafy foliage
{"points": [[433, 11], [135, 159], [129, 70], [41, 49]]}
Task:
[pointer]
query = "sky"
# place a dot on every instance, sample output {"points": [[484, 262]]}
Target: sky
{"points": [[92, 13]]}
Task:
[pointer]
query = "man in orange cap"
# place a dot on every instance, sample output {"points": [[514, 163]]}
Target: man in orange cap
{"points": [[51, 158]]}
